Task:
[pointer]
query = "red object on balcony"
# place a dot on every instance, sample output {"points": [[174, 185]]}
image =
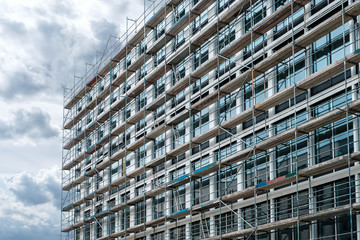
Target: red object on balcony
{"points": [[92, 82]]}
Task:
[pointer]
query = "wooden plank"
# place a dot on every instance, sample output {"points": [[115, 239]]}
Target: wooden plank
{"points": [[159, 16], [213, 132], [180, 85], [155, 222], [139, 61], [208, 100], [159, 43], [201, 6]]}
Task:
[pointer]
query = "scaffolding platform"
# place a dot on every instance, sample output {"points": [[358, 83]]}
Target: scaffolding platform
{"points": [[155, 222], [179, 214], [137, 199], [119, 207], [136, 228], [156, 191], [118, 234], [205, 170], [159, 16], [179, 181], [206, 205]]}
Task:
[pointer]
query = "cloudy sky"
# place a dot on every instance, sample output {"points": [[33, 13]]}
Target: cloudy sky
{"points": [[43, 44]]}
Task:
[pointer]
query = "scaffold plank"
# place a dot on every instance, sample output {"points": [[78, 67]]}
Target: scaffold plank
{"points": [[247, 192], [136, 200], [119, 207], [179, 117], [155, 222], [156, 191], [159, 16], [201, 6], [213, 132], [180, 85], [139, 61], [159, 43], [138, 116], [104, 163]]}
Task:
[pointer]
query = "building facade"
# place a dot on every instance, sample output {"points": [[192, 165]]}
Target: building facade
{"points": [[218, 119]]}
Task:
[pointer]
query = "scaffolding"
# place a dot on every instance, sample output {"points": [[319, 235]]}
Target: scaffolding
{"points": [[227, 119]]}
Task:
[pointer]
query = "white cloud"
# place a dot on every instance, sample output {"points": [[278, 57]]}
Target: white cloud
{"points": [[30, 205]]}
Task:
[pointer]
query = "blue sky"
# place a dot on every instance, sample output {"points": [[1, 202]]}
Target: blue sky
{"points": [[42, 45]]}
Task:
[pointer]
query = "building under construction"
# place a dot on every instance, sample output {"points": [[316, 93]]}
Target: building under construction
{"points": [[218, 119]]}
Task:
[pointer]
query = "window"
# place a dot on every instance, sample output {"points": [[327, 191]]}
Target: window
{"points": [[140, 125], [226, 223], [178, 99], [141, 101], [159, 30], [140, 213], [287, 24], [199, 163], [142, 72], [285, 71], [330, 195], [77, 234], [127, 85], [179, 40], [287, 206], [101, 86], [261, 91], [100, 132], [87, 232], [159, 56], [227, 177], [158, 236], [200, 21], [330, 48], [159, 112], [142, 46], [225, 67], [333, 139], [201, 83], [101, 107], [200, 229], [98, 228], [178, 233], [227, 107], [226, 36], [200, 122], [178, 135], [112, 223], [222, 4], [201, 55], [178, 72], [113, 122], [257, 45], [125, 219], [158, 206], [89, 117], [159, 86], [260, 161], [179, 11], [126, 112], [159, 146], [177, 199], [263, 214], [255, 17], [293, 153], [140, 156], [201, 190]]}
